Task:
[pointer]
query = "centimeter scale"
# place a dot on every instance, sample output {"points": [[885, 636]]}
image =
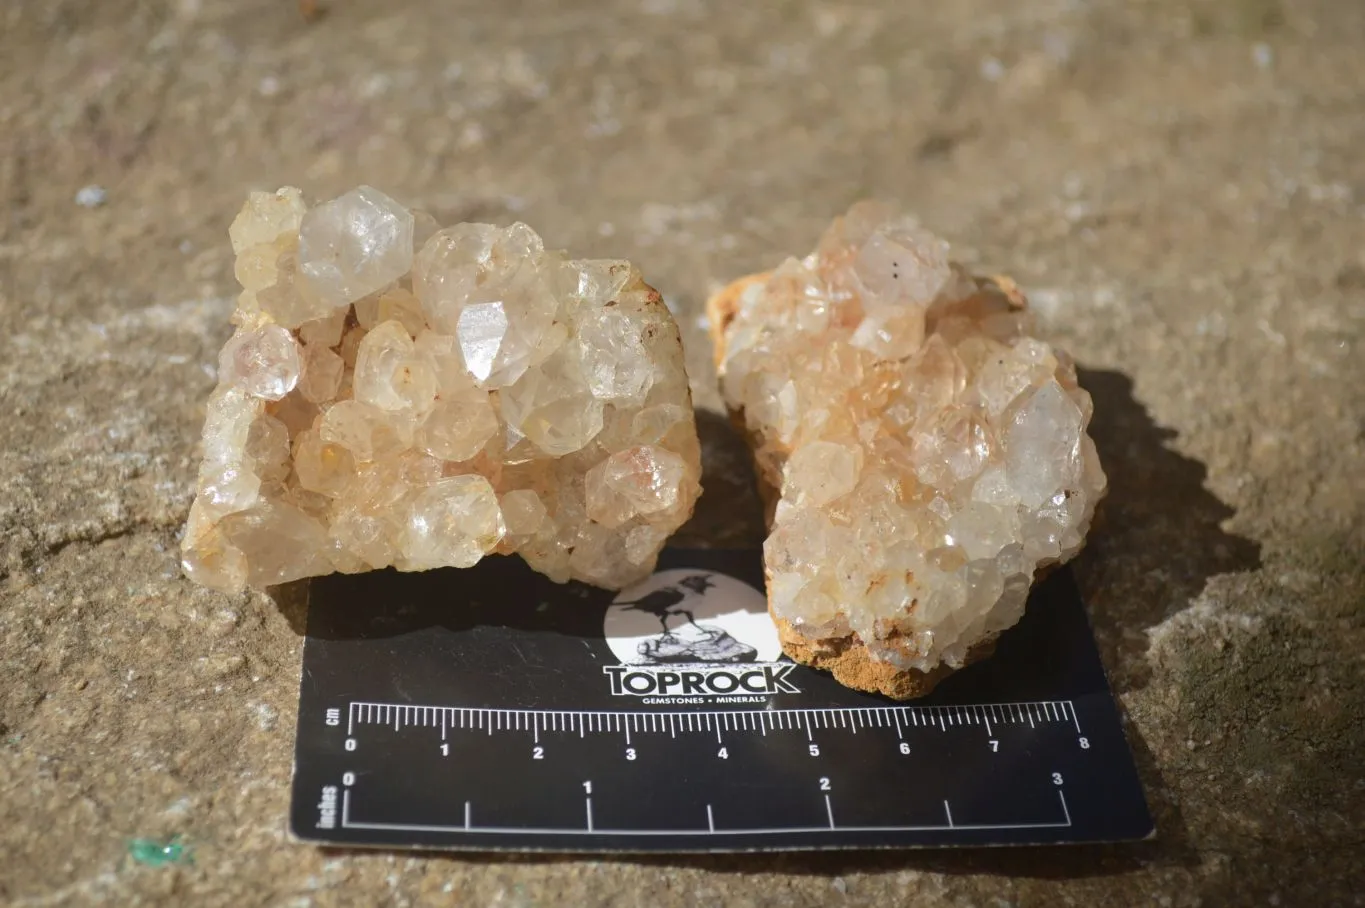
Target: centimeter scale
{"points": [[492, 709]]}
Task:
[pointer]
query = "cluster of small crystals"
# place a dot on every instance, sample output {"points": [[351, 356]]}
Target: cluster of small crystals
{"points": [[397, 394], [931, 454]]}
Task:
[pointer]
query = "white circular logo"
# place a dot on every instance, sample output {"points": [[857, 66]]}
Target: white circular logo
{"points": [[689, 616]]}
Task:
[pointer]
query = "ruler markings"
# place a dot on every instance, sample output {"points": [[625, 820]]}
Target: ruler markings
{"points": [[348, 823]]}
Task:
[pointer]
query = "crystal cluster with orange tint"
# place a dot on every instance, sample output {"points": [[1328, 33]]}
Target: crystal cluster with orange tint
{"points": [[398, 394]]}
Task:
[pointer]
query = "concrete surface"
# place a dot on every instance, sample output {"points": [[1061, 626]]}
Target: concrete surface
{"points": [[1180, 185]]}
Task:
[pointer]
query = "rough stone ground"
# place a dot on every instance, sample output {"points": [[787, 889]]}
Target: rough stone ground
{"points": [[1180, 185]]}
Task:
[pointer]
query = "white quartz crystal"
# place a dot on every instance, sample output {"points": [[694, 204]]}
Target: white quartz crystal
{"points": [[385, 405], [355, 245], [929, 454]]}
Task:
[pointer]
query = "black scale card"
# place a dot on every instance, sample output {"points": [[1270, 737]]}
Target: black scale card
{"points": [[493, 709]]}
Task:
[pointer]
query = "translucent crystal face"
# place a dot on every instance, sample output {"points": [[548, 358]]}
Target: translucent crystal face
{"points": [[382, 404], [931, 455]]}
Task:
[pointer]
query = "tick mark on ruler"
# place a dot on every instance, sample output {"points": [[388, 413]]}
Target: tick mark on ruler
{"points": [[829, 811], [710, 819], [949, 811], [589, 800]]}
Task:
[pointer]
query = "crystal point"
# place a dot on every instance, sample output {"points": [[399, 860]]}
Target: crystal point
{"points": [[354, 245]]}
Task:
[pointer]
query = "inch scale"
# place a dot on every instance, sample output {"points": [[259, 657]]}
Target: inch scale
{"points": [[466, 749]]}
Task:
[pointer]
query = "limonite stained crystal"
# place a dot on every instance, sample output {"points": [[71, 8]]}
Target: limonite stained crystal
{"points": [[401, 395], [923, 454]]}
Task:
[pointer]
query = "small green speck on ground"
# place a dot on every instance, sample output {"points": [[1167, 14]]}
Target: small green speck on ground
{"points": [[156, 853]]}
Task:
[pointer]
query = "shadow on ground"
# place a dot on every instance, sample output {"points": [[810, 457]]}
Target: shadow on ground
{"points": [[1158, 538], [729, 513]]}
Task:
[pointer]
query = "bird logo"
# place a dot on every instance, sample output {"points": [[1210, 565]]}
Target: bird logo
{"points": [[667, 602], [691, 616]]}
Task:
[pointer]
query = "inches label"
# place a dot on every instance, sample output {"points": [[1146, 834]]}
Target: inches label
{"points": [[492, 709]]}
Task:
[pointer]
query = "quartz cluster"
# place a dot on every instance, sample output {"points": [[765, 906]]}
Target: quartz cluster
{"points": [[398, 394], [923, 454]]}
